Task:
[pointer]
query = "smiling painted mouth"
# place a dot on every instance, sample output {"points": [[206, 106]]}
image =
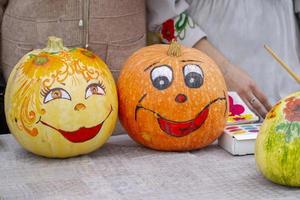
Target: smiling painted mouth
{"points": [[180, 129], [82, 134], [183, 128]]}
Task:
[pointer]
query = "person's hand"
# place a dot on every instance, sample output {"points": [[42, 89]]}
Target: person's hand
{"points": [[238, 80]]}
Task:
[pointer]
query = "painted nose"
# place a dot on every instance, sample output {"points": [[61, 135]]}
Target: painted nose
{"points": [[79, 106], [181, 98]]}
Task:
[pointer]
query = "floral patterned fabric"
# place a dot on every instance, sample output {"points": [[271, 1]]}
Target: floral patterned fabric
{"points": [[176, 28]]}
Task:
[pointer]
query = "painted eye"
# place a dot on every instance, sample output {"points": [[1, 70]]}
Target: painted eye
{"points": [[161, 77], [94, 89], [56, 93], [193, 75]]}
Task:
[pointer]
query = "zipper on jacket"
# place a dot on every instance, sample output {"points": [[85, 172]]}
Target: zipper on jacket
{"points": [[84, 22]]}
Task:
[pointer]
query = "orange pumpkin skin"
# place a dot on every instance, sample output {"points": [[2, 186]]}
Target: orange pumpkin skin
{"points": [[161, 108]]}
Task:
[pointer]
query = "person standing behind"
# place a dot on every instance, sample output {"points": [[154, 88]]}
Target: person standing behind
{"points": [[112, 29], [232, 33]]}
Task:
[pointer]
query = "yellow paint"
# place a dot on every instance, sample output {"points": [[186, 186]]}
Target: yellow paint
{"points": [[239, 132], [243, 116]]}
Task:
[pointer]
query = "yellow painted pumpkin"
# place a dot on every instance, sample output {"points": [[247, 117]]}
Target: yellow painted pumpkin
{"points": [[172, 98], [61, 102]]}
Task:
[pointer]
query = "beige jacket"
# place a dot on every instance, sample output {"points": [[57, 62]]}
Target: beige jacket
{"points": [[111, 28]]}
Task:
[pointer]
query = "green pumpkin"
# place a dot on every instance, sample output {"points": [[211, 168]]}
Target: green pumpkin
{"points": [[277, 150]]}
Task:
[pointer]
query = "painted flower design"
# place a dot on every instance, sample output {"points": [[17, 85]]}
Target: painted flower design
{"points": [[168, 30], [291, 125], [292, 110], [41, 65]]}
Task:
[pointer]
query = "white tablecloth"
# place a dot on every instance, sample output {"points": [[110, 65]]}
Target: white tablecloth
{"points": [[122, 169]]}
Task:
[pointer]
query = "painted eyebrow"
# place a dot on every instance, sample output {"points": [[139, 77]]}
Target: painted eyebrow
{"points": [[150, 66], [191, 61]]}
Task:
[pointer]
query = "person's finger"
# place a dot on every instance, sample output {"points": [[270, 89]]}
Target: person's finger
{"points": [[262, 98], [251, 107], [246, 98], [258, 106], [254, 104]]}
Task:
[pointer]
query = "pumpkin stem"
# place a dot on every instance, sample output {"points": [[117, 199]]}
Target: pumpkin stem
{"points": [[55, 45], [174, 49]]}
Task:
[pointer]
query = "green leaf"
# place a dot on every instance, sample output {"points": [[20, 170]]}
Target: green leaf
{"points": [[290, 129], [32, 55], [73, 49], [282, 127]]}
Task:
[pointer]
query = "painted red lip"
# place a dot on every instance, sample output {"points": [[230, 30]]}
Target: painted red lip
{"points": [[82, 134], [180, 129]]}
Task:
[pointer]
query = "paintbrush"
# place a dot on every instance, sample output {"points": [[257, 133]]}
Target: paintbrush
{"points": [[283, 64]]}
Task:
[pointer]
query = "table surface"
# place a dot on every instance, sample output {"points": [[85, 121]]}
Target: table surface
{"points": [[122, 169]]}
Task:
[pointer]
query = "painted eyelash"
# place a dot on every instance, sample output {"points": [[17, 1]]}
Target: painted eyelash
{"points": [[101, 84], [44, 91]]}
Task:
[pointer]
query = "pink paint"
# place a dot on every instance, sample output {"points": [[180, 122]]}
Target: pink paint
{"points": [[231, 127], [235, 109]]}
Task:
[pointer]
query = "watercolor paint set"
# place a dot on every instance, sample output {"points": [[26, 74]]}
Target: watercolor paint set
{"points": [[239, 112], [242, 128], [239, 139]]}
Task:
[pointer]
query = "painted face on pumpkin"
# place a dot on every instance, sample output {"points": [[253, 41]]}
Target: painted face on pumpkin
{"points": [[62, 104], [172, 98], [191, 77], [77, 101]]}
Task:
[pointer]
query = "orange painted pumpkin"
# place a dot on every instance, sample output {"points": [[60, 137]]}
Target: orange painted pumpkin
{"points": [[172, 98]]}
